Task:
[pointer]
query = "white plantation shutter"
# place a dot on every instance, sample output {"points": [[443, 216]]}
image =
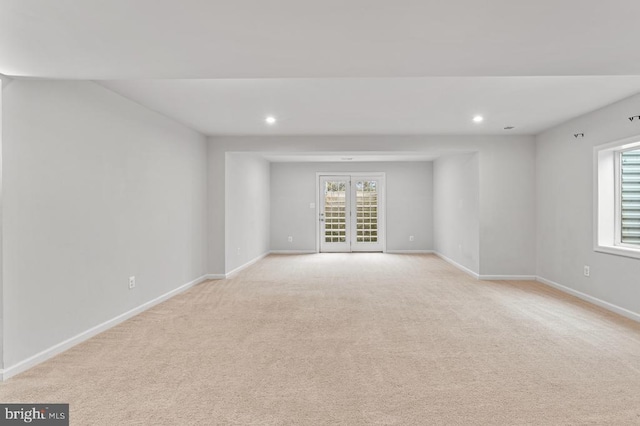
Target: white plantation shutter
{"points": [[630, 200]]}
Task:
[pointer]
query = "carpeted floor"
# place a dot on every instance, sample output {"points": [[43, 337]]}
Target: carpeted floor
{"points": [[352, 339]]}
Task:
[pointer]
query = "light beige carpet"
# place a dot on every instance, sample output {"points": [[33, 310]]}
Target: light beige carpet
{"points": [[352, 339]]}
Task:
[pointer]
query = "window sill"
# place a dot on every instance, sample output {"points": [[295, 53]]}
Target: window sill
{"points": [[619, 251]]}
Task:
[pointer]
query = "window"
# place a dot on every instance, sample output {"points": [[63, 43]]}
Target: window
{"points": [[617, 198]]}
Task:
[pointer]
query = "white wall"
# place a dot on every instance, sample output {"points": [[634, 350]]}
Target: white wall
{"points": [[216, 211], [456, 194], [96, 188], [247, 209], [4, 81], [565, 207], [506, 179], [409, 206], [507, 209]]}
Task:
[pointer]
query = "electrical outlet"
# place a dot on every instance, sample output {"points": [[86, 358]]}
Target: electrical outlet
{"points": [[290, 238], [238, 250], [587, 272], [411, 238], [132, 282], [312, 205]]}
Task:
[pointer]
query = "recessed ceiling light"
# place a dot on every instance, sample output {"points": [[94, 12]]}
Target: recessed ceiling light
{"points": [[270, 119], [478, 119]]}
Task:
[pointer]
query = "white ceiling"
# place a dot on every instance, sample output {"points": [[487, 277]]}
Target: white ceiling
{"points": [[335, 66], [430, 105], [115, 39]]}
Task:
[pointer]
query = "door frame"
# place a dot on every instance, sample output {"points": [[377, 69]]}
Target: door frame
{"points": [[382, 202], [335, 247]]}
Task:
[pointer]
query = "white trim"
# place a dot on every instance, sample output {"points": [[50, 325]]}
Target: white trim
{"points": [[54, 350], [293, 252], [485, 277], [591, 299], [508, 277], [617, 194], [457, 265], [339, 247], [606, 198], [382, 203], [356, 247], [410, 251], [215, 276], [478, 276], [317, 212], [618, 251], [246, 265]]}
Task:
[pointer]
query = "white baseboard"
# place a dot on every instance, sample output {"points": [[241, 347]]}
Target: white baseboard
{"points": [[86, 335], [457, 265], [388, 251], [508, 277], [293, 252], [254, 260], [486, 277], [591, 299], [409, 251], [246, 265], [215, 276]]}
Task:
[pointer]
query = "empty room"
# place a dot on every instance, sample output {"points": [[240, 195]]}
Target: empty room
{"points": [[340, 212]]}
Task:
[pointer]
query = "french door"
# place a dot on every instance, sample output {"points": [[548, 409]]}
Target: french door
{"points": [[351, 213]]}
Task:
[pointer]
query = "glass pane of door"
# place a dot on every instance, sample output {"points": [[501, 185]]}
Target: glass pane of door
{"points": [[351, 217], [334, 213], [335, 195], [367, 211], [366, 193]]}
